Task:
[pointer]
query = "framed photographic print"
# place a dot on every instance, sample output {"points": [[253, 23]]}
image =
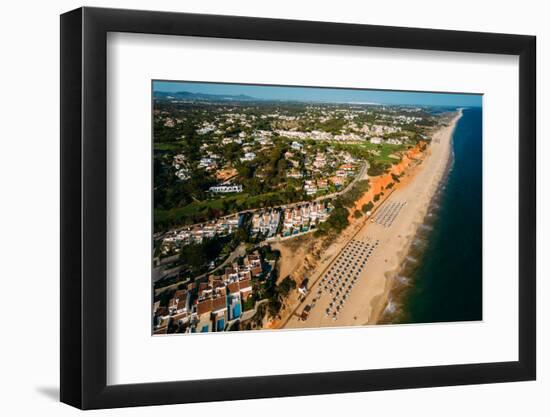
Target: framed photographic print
{"points": [[256, 208]]}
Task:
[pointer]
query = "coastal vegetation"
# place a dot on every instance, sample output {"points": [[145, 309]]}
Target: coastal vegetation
{"points": [[267, 289], [233, 177], [349, 198], [367, 207], [377, 168], [254, 143]]}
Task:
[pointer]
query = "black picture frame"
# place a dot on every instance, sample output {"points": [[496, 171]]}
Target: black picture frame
{"points": [[84, 207]]}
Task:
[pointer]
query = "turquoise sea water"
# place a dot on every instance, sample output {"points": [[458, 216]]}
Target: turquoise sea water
{"points": [[441, 279]]}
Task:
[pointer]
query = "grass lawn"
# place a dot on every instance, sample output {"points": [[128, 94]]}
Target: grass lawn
{"points": [[168, 146], [190, 210], [383, 150], [191, 213]]}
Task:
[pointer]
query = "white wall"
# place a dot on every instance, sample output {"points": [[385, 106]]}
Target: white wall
{"points": [[29, 212]]}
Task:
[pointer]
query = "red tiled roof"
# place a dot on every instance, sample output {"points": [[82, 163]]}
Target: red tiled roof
{"points": [[218, 283], [219, 303], [246, 275], [204, 306], [245, 283], [233, 287], [179, 316], [180, 294]]}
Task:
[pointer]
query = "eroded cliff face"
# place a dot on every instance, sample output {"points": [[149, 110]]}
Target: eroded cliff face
{"points": [[300, 259], [404, 168]]}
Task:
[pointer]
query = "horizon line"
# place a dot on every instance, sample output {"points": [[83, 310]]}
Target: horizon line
{"points": [[359, 103]]}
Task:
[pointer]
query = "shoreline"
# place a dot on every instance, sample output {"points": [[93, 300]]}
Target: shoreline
{"points": [[391, 276], [370, 296], [379, 308]]}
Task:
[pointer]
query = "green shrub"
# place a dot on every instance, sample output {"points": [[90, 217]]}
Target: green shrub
{"points": [[367, 207]]}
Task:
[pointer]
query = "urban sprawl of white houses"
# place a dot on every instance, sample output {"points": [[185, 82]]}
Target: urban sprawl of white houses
{"points": [[305, 217], [210, 160], [313, 165], [212, 304], [197, 233], [297, 219], [266, 222], [374, 132], [226, 121]]}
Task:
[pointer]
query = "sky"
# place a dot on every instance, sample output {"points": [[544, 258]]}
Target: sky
{"points": [[332, 95]]}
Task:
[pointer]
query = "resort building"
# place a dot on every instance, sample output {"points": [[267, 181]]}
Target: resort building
{"points": [[266, 222], [322, 185], [213, 303], [195, 234], [236, 188], [248, 156], [320, 161], [304, 217], [297, 146], [294, 173], [394, 141], [376, 140], [337, 181], [220, 299], [207, 163], [309, 187]]}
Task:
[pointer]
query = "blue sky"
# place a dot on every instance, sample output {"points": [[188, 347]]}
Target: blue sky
{"points": [[334, 95]]}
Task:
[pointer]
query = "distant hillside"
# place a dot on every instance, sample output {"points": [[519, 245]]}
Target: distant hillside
{"points": [[186, 95]]}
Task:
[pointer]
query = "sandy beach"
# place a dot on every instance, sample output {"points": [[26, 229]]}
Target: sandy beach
{"points": [[370, 252]]}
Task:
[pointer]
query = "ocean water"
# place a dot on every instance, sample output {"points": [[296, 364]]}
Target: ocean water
{"points": [[441, 278]]}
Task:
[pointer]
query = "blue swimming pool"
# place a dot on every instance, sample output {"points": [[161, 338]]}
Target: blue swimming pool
{"points": [[237, 311]]}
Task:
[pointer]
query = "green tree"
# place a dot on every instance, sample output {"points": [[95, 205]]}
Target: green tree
{"points": [[367, 207], [286, 286]]}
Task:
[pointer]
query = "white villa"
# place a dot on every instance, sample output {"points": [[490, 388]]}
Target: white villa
{"points": [[296, 146], [227, 188], [376, 140], [249, 156]]}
